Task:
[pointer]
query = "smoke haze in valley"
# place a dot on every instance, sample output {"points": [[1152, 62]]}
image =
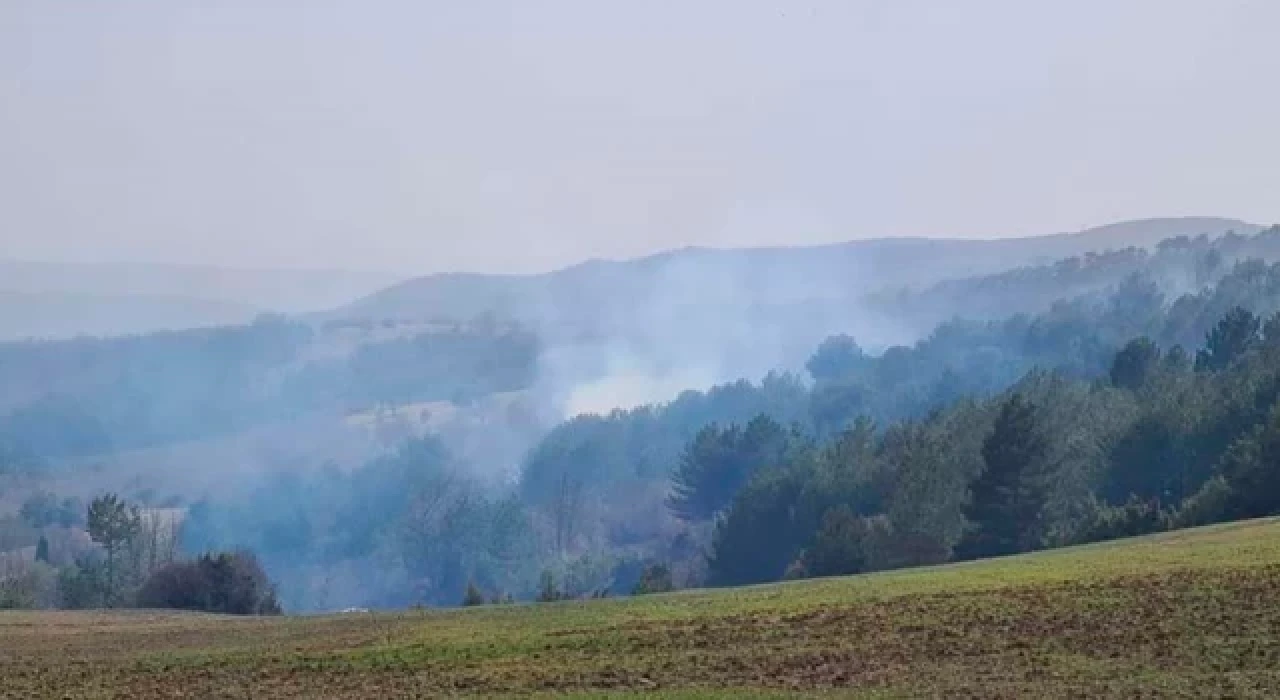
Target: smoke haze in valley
{"points": [[411, 257]]}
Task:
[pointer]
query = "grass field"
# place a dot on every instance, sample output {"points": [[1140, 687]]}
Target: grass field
{"points": [[1194, 613]]}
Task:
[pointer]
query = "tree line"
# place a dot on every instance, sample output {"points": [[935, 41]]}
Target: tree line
{"points": [[1164, 440], [93, 396], [1092, 419], [1134, 406], [115, 554]]}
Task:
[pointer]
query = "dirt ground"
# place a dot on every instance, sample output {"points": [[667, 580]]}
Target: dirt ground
{"points": [[1196, 615]]}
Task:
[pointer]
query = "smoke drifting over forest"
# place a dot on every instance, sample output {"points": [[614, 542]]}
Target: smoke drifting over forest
{"points": [[564, 299], [392, 450]]}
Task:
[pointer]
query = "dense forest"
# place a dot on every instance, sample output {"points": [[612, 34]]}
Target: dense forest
{"points": [[1143, 395], [1117, 411]]}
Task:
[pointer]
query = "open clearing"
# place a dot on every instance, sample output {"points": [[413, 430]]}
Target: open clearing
{"points": [[1194, 613]]}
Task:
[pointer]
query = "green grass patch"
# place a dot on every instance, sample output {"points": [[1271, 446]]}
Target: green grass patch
{"points": [[1193, 613]]}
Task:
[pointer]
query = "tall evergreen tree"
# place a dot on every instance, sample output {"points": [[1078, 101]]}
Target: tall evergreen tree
{"points": [[718, 462], [1135, 362], [1250, 466], [1005, 499], [112, 522], [1229, 340]]}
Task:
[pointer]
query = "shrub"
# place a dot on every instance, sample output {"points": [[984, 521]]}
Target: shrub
{"points": [[33, 587], [80, 585], [839, 547], [548, 590], [1206, 506], [1136, 517], [655, 578], [473, 596], [226, 582]]}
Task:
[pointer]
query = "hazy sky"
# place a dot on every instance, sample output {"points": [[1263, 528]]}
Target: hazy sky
{"points": [[425, 136]]}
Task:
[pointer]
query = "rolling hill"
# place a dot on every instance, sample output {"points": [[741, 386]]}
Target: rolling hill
{"points": [[718, 315], [56, 300], [592, 291]]}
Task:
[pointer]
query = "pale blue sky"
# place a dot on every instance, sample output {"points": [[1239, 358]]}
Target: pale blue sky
{"points": [[516, 136]]}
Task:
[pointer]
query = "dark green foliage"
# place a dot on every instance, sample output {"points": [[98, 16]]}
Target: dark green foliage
{"points": [[1270, 341], [1135, 517], [548, 590], [1160, 439], [1205, 507], [1251, 467], [719, 461], [231, 583], [1229, 340], [759, 535], [646, 443], [1176, 360], [656, 578], [847, 471], [837, 356], [1006, 499], [839, 548], [1135, 363], [18, 591], [42, 549], [473, 597], [112, 523], [1056, 460], [1149, 457], [833, 405], [81, 586]]}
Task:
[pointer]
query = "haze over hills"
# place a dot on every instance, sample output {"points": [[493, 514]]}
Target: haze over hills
{"points": [[697, 316], [404, 306], [51, 299], [591, 289], [328, 427]]}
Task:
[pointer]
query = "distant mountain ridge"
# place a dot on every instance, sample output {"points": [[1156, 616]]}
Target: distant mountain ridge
{"points": [[54, 300], [754, 276]]}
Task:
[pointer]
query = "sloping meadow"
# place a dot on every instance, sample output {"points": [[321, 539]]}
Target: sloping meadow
{"points": [[1191, 613]]}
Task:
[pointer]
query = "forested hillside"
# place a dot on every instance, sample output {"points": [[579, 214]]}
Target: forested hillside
{"points": [[1120, 411], [592, 292], [92, 396], [1109, 394]]}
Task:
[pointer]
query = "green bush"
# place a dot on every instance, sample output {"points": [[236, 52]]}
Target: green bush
{"points": [[227, 582], [656, 578], [474, 596]]}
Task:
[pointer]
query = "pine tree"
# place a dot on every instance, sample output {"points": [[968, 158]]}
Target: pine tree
{"points": [[473, 596], [112, 522], [1005, 500], [1228, 341]]}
